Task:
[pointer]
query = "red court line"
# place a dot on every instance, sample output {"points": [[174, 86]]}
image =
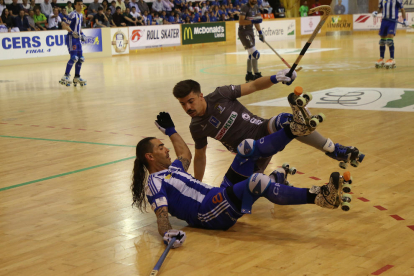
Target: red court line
{"points": [[65, 127], [18, 124], [220, 150], [113, 132], [129, 134], [81, 129], [363, 199], [34, 125], [298, 172], [380, 208], [411, 227], [381, 270], [50, 127], [396, 217], [98, 131], [351, 193], [315, 178], [3, 123]]}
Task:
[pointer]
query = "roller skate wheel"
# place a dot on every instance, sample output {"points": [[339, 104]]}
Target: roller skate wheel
{"points": [[321, 117], [354, 163], [346, 188], [347, 176], [343, 165], [285, 166], [308, 97], [298, 90], [292, 171], [68, 84], [301, 101], [346, 198], [345, 206], [377, 66], [314, 122]]}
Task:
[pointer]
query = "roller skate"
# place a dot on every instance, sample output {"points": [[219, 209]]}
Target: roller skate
{"points": [[303, 122], [346, 155], [257, 75], [65, 80], [78, 79], [280, 174], [334, 193], [249, 77], [390, 64], [380, 63]]}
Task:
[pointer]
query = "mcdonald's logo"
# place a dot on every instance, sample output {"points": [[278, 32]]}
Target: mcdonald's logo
{"points": [[217, 198], [188, 33]]}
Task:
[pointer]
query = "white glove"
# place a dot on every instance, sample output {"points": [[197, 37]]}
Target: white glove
{"points": [[74, 34], [281, 76], [83, 37], [178, 234], [374, 14], [405, 23]]}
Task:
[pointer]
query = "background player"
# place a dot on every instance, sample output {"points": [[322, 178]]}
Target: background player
{"points": [[249, 15], [170, 189], [220, 116], [390, 9], [73, 41]]}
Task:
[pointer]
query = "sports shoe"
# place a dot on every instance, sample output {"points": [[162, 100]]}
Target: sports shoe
{"points": [[249, 77]]}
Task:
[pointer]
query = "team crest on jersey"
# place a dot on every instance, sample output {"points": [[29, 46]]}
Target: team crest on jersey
{"points": [[219, 108], [168, 176], [214, 121], [74, 47]]}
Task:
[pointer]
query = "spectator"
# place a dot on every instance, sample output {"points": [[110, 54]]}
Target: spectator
{"points": [[93, 9], [21, 22], [40, 19], [46, 8], [105, 5], [164, 18], [187, 20], [304, 9], [145, 19], [137, 16], [214, 3], [25, 7], [171, 18], [118, 18], [54, 19], [197, 8], [190, 7], [69, 7], [157, 19], [178, 19], [213, 18], [2, 6], [143, 7], [168, 6], [205, 17], [231, 17], [222, 11], [126, 3], [30, 20], [113, 7], [236, 3], [157, 6], [280, 13], [110, 19], [222, 17], [339, 8], [204, 8], [54, 4], [314, 6], [32, 5], [266, 7], [8, 21], [216, 12], [64, 15], [100, 20], [134, 4], [14, 8], [185, 15], [129, 20], [120, 4]]}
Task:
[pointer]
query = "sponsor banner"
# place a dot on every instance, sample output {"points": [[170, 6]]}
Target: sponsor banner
{"points": [[274, 30], [203, 33], [308, 24], [154, 36], [336, 23], [367, 22], [408, 4], [119, 41], [381, 99], [44, 44]]}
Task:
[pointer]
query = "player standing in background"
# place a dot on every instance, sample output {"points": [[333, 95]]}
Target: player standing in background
{"points": [[390, 9], [249, 15], [73, 41]]}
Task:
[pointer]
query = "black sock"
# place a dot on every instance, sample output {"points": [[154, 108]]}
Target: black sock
{"points": [[310, 197], [289, 133]]}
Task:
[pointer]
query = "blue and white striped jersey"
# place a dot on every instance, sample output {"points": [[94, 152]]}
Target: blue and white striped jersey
{"points": [[178, 190], [75, 21], [390, 8]]}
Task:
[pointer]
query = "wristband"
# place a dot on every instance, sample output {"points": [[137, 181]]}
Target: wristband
{"points": [[170, 131], [273, 79], [260, 32]]}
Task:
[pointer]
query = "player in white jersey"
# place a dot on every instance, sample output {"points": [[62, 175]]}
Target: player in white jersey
{"points": [[170, 189], [73, 41], [389, 9]]}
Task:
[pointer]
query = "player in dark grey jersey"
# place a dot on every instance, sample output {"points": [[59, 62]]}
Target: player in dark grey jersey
{"points": [[249, 16], [221, 116]]}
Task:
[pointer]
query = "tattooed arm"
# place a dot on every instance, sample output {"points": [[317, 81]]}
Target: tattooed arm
{"points": [[162, 220], [182, 150]]}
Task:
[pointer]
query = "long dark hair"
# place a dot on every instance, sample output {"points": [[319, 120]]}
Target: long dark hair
{"points": [[139, 173]]}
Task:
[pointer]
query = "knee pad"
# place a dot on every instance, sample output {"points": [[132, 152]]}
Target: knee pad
{"points": [[390, 42], [251, 50], [256, 186], [278, 122], [74, 58], [256, 55], [246, 148], [82, 59], [382, 42]]}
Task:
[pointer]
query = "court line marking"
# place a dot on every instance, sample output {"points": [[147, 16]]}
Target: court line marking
{"points": [[67, 141], [64, 174]]}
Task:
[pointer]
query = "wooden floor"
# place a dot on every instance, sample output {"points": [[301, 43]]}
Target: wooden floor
{"points": [[67, 154]]}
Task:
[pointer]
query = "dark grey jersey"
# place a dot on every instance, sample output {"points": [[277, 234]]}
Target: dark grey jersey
{"points": [[249, 12], [226, 120]]}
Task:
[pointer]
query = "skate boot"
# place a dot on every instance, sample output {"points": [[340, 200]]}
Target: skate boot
{"points": [[79, 80], [380, 63], [390, 64], [65, 80], [346, 155], [303, 122], [249, 77], [280, 174], [257, 75], [334, 193]]}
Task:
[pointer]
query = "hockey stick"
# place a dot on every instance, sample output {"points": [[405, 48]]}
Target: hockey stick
{"points": [[284, 61], [395, 21], [326, 11], [162, 258]]}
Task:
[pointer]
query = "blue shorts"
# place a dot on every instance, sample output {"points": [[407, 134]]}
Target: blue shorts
{"points": [[387, 27], [217, 212], [74, 46]]}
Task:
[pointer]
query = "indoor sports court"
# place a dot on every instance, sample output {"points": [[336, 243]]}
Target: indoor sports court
{"points": [[67, 155]]}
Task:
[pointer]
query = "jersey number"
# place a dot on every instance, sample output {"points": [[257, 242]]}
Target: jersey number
{"points": [[217, 198]]}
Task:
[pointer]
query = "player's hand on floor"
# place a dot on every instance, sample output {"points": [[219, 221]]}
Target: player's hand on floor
{"points": [[178, 234], [374, 14], [281, 77], [165, 123]]}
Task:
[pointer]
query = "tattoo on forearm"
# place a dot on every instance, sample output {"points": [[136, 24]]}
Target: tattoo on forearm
{"points": [[186, 163], [163, 221]]}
